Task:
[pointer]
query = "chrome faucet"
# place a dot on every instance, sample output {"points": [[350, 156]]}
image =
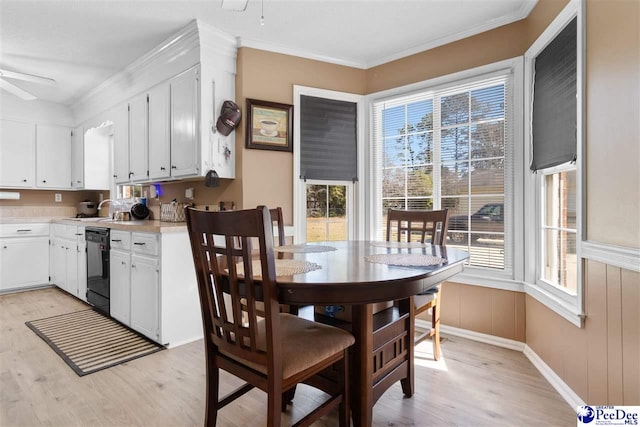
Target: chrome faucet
{"points": [[103, 202]]}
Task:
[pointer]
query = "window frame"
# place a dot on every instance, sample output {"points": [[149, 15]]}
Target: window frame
{"points": [[507, 280], [571, 307], [356, 199]]}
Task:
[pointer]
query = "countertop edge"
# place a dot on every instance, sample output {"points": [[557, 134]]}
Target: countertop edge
{"points": [[143, 226]]}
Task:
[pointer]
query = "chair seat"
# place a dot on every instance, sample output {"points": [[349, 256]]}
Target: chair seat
{"points": [[304, 344], [423, 299]]}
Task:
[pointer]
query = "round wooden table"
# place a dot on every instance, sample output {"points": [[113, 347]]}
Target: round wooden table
{"points": [[383, 352]]}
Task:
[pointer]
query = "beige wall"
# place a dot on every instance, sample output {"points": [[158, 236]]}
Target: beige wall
{"points": [[267, 176], [41, 203], [612, 129], [600, 362], [489, 311]]}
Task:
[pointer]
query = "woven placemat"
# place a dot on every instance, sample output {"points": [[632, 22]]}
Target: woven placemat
{"points": [[399, 244], [304, 249], [284, 267], [412, 260]]}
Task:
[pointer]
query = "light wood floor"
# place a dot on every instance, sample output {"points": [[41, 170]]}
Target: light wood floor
{"points": [[472, 385]]}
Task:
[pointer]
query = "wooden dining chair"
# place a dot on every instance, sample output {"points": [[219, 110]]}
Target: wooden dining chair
{"points": [[277, 223], [422, 226], [274, 353]]}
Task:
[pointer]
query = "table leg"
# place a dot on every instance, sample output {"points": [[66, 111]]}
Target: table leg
{"points": [[362, 389], [407, 305]]}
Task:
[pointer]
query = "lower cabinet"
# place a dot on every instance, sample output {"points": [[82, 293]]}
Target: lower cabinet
{"points": [[69, 259], [135, 281], [153, 286], [120, 278], [24, 255], [145, 289]]}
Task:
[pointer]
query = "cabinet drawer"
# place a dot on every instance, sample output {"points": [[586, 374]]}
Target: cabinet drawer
{"points": [[59, 230], [22, 230], [120, 240], [74, 233], [145, 243]]}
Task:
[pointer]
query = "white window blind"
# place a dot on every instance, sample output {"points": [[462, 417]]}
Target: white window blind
{"points": [[450, 147]]}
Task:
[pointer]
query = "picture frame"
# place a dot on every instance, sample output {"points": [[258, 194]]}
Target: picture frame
{"points": [[269, 125]]}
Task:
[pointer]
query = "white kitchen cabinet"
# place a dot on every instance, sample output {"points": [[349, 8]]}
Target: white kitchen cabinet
{"points": [[24, 255], [138, 141], [17, 154], [185, 159], [159, 132], [53, 156], [120, 281], [69, 259], [121, 144], [145, 295], [77, 158]]}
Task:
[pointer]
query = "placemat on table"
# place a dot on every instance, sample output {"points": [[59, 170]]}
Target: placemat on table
{"points": [[304, 249], [400, 244], [284, 267], [412, 260]]}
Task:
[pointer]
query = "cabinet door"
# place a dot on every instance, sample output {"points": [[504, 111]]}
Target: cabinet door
{"points": [[82, 271], [53, 156], [159, 132], [120, 299], [121, 144], [77, 158], [24, 262], [184, 124], [59, 264], [138, 138], [17, 154], [145, 285], [71, 259]]}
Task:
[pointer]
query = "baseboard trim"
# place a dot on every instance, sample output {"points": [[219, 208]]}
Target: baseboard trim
{"points": [[477, 336], [572, 399], [556, 382]]}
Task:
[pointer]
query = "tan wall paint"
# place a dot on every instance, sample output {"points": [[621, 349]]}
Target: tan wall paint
{"points": [[485, 310], [600, 362], [267, 176], [501, 43], [612, 130]]}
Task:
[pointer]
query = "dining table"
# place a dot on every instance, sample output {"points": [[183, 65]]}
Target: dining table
{"points": [[361, 275]]}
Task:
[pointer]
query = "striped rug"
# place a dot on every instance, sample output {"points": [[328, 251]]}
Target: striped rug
{"points": [[89, 341]]}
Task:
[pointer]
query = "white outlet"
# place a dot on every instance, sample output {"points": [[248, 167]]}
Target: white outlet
{"points": [[58, 197], [188, 193]]}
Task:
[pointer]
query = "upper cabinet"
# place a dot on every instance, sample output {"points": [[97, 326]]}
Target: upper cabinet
{"points": [[138, 141], [17, 154], [53, 156], [185, 160], [159, 132], [77, 158], [121, 144]]}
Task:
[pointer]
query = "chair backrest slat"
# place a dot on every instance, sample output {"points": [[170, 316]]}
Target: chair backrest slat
{"points": [[229, 284], [410, 224]]}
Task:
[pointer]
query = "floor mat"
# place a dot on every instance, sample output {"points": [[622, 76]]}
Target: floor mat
{"points": [[89, 341]]}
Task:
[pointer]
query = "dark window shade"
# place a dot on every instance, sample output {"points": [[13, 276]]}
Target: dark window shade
{"points": [[554, 101], [328, 139]]}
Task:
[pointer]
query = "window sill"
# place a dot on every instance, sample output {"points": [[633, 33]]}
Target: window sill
{"points": [[560, 307]]}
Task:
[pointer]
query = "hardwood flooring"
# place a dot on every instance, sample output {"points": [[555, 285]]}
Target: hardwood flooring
{"points": [[473, 384]]}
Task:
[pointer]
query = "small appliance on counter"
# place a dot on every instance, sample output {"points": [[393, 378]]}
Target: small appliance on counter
{"points": [[86, 209]]}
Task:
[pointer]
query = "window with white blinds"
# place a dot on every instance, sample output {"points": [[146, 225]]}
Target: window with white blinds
{"points": [[450, 147]]}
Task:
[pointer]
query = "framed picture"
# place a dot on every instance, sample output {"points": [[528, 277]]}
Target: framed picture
{"points": [[269, 125]]}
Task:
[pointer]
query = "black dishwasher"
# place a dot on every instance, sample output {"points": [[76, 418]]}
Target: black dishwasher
{"points": [[98, 287]]}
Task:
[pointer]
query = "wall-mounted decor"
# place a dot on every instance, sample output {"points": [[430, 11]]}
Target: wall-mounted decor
{"points": [[269, 125]]}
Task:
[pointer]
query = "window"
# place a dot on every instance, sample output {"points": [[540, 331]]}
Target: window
{"points": [[553, 125], [328, 165], [450, 147]]}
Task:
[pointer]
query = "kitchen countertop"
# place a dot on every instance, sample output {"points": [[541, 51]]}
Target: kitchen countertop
{"points": [[145, 226]]}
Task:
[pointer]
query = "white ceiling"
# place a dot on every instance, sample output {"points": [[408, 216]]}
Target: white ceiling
{"points": [[81, 43]]}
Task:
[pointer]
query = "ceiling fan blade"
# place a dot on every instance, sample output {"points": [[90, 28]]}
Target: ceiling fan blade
{"points": [[16, 90], [27, 77]]}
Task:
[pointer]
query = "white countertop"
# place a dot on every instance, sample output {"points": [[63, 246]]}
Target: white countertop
{"points": [[146, 226]]}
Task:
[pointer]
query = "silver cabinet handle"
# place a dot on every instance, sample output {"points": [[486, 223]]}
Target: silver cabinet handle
{"points": [[23, 231], [139, 243]]}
